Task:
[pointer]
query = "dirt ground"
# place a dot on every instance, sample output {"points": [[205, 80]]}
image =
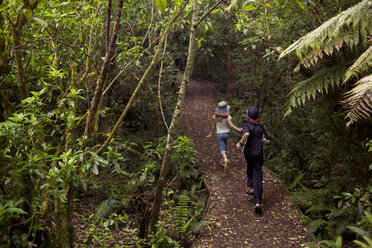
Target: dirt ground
{"points": [[229, 207]]}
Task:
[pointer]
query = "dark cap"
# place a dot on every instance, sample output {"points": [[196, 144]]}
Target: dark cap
{"points": [[252, 113]]}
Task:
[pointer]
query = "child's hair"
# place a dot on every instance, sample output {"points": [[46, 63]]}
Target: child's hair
{"points": [[219, 116]]}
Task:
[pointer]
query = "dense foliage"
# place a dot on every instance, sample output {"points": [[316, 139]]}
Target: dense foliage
{"points": [[69, 70]]}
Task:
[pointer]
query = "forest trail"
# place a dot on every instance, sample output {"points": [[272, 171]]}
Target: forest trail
{"points": [[231, 210]]}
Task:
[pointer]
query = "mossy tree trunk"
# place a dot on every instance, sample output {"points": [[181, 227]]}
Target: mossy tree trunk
{"points": [[28, 7], [4, 70], [175, 120], [92, 114]]}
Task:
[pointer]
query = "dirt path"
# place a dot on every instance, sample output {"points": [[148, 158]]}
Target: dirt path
{"points": [[229, 208]]}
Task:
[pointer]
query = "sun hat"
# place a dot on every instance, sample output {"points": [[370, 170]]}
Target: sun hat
{"points": [[252, 113], [222, 107]]}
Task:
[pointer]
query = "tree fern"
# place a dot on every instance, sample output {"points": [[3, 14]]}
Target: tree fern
{"points": [[357, 19], [358, 101], [320, 82], [362, 64], [351, 27]]}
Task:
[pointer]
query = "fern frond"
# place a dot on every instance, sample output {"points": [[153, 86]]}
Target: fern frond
{"points": [[107, 207], [320, 82], [318, 208], [303, 198], [359, 231], [356, 19], [368, 243], [316, 225], [296, 181], [181, 212], [193, 226], [362, 64], [358, 101]]}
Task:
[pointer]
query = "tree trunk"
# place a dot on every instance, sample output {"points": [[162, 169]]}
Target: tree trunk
{"points": [[154, 62], [92, 114], [16, 39], [175, 119]]}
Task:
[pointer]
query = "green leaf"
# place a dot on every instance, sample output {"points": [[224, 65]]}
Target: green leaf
{"points": [[16, 210], [268, 5], [4, 7], [249, 7], [40, 21], [300, 4], [162, 5], [28, 13], [215, 11], [95, 170]]}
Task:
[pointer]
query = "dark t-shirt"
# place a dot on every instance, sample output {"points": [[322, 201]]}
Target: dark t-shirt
{"points": [[254, 145]]}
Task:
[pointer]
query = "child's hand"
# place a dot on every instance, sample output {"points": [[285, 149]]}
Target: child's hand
{"points": [[240, 129], [208, 136], [238, 145]]}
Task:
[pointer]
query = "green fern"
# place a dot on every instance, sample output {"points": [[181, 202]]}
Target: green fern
{"points": [[363, 233], [320, 82], [362, 64], [318, 208], [368, 243], [182, 214], [317, 225], [351, 27], [107, 207], [304, 198], [358, 101], [296, 181], [333, 244], [356, 19]]}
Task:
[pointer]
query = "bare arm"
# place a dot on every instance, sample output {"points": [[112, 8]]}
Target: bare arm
{"points": [[234, 127], [242, 140], [212, 129]]}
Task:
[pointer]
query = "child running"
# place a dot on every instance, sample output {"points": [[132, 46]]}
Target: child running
{"points": [[222, 123], [254, 136]]}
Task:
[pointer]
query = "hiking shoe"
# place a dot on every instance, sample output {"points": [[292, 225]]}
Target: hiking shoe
{"points": [[227, 165], [249, 191], [258, 209]]}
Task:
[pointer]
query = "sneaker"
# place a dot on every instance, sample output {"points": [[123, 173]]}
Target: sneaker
{"points": [[249, 191], [258, 209], [227, 165]]}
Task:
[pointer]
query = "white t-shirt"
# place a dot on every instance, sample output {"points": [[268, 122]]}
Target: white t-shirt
{"points": [[222, 126]]}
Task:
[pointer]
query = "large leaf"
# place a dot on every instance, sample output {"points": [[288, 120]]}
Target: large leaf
{"points": [[162, 5]]}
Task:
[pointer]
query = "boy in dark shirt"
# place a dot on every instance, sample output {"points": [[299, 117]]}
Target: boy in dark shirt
{"points": [[254, 136]]}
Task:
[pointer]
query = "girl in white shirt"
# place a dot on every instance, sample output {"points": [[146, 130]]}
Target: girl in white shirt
{"points": [[222, 123]]}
